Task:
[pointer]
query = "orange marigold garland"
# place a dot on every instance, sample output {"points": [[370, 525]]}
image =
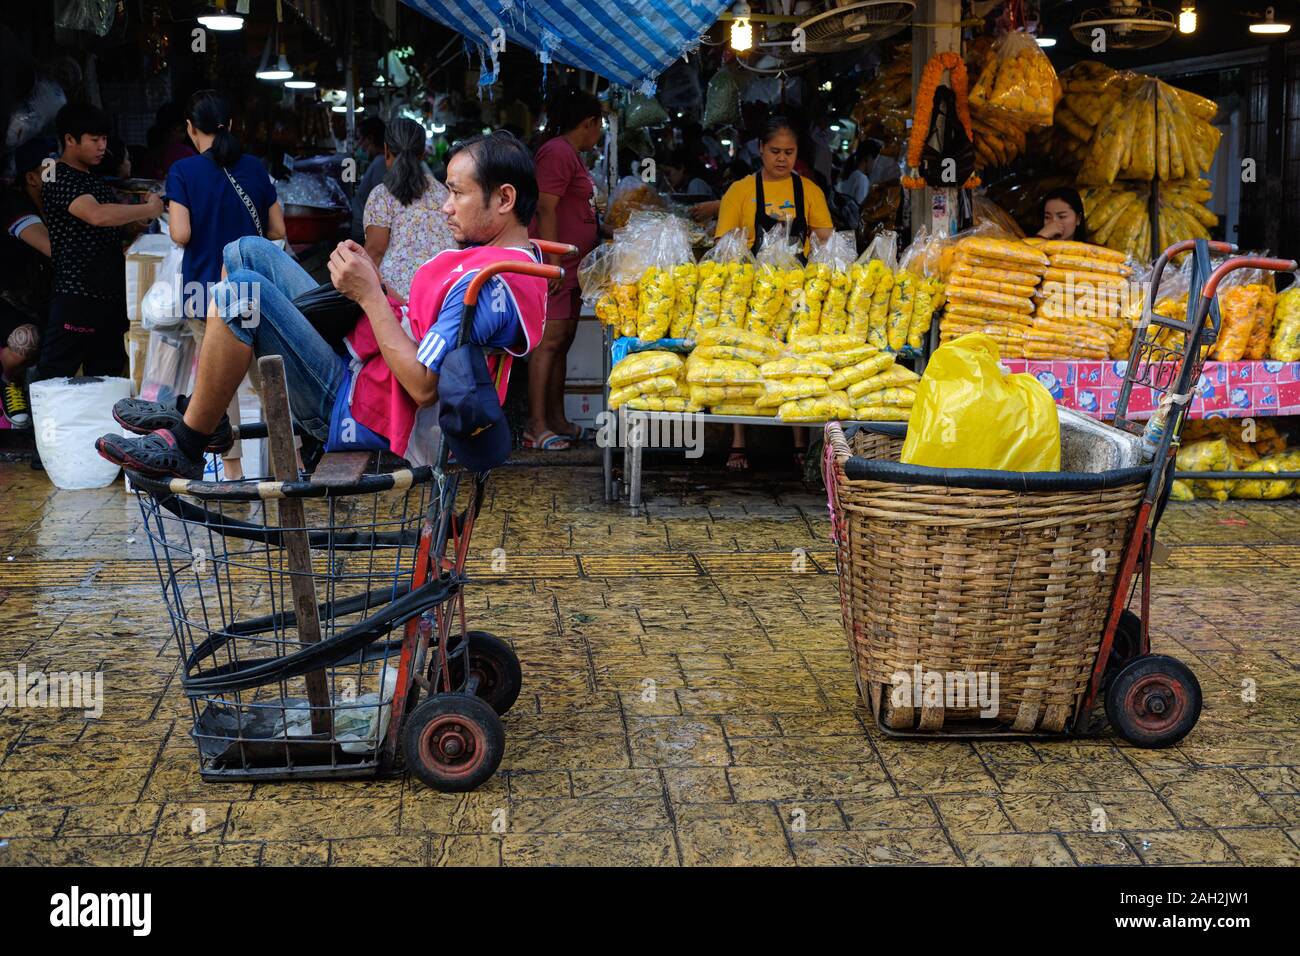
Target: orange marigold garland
{"points": [[930, 76]]}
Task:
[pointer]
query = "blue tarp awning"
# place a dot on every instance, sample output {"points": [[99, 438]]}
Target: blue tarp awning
{"points": [[626, 41]]}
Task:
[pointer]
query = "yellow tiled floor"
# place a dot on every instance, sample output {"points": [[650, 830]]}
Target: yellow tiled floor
{"points": [[751, 748]]}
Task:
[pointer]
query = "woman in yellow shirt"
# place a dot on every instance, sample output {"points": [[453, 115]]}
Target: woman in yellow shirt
{"points": [[757, 203]]}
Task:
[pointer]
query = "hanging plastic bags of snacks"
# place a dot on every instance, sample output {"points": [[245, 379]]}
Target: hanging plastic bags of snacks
{"points": [[726, 275], [668, 249], [722, 100], [644, 111], [831, 262], [1018, 78]]}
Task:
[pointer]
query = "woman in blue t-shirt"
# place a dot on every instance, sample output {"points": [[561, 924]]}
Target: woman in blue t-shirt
{"points": [[215, 198]]}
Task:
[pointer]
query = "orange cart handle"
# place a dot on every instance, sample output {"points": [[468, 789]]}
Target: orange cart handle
{"points": [[556, 248], [1245, 262], [518, 268]]}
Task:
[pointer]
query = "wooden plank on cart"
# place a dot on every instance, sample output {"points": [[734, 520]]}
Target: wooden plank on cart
{"points": [[338, 469], [284, 465]]}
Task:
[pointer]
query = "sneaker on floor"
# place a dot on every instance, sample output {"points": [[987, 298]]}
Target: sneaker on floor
{"points": [[145, 417], [16, 408], [155, 455]]}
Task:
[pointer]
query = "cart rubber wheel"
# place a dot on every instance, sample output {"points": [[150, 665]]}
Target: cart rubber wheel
{"points": [[1127, 645], [453, 742], [1154, 701], [496, 666]]}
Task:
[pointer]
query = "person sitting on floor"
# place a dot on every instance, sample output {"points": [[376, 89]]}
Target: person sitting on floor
{"points": [[396, 349]]}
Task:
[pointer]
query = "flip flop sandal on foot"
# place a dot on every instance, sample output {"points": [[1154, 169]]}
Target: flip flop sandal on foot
{"points": [[741, 460], [547, 441]]}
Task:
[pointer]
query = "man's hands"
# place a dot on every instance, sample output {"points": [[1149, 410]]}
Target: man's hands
{"points": [[353, 272], [702, 212]]}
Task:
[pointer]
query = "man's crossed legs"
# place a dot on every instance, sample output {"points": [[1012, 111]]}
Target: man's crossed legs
{"points": [[251, 314]]}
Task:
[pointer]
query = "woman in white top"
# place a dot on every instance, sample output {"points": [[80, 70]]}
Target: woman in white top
{"points": [[857, 184], [405, 227]]}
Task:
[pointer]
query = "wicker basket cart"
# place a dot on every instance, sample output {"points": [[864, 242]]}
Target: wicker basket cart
{"points": [[989, 603]]}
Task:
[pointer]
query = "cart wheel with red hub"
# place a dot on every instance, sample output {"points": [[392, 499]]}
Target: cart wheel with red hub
{"points": [[495, 666], [1154, 701], [453, 742]]}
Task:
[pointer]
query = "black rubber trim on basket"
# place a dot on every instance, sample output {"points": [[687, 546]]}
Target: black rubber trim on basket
{"points": [[858, 469], [250, 489], [321, 539], [287, 619], [256, 672], [892, 429]]}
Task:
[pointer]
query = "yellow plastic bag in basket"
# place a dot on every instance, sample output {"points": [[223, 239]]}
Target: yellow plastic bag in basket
{"points": [[968, 414]]}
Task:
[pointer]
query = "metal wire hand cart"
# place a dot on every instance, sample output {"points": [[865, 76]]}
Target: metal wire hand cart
{"points": [[284, 594], [1026, 576]]}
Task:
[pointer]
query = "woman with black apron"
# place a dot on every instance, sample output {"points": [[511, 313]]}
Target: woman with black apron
{"points": [[775, 194]]}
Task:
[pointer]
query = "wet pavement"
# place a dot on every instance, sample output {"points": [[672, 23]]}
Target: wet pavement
{"points": [[751, 748]]}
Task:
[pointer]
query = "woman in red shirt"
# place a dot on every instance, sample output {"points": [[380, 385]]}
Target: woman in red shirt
{"points": [[566, 212]]}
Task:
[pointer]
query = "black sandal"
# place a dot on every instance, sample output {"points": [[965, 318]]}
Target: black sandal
{"points": [[144, 418], [737, 455], [155, 455]]}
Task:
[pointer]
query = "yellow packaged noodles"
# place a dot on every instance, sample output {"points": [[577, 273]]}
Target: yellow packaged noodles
{"points": [[739, 337], [779, 391], [894, 395], [668, 403], [643, 365], [843, 378], [730, 352], [799, 366], [822, 408], [742, 409], [895, 375], [722, 372], [722, 394]]}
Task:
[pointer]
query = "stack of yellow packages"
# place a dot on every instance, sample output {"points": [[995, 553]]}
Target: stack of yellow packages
{"points": [[796, 385], [1080, 307], [990, 290], [650, 381], [722, 372]]}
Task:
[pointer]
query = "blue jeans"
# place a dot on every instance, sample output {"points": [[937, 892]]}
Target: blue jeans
{"points": [[255, 302]]}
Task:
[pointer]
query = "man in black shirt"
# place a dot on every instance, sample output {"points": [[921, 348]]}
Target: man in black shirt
{"points": [[84, 218], [25, 276]]}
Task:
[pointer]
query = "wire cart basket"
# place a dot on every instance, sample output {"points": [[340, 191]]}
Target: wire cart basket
{"points": [[321, 620]]}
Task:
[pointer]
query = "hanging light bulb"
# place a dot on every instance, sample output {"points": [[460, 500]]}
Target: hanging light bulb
{"points": [[742, 33], [1046, 41], [1270, 25], [281, 70], [300, 84], [1187, 17], [221, 19]]}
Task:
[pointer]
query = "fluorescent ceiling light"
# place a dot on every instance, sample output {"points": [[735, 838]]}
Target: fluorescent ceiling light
{"points": [[1046, 41]]}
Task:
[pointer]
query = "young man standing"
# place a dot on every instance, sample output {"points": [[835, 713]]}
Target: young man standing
{"points": [[396, 350], [84, 219]]}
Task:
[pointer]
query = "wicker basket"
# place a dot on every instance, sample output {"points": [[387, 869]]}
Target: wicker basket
{"points": [[947, 573]]}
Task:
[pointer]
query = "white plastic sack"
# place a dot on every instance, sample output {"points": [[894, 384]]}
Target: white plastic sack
{"points": [[68, 415], [161, 307]]}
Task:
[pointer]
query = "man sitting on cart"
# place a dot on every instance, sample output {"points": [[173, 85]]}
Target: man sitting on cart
{"points": [[396, 349]]}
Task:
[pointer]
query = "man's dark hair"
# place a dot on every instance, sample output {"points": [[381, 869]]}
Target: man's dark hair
{"points": [[500, 158], [78, 119], [373, 129]]}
